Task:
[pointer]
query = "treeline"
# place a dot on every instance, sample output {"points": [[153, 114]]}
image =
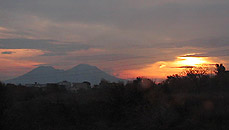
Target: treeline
{"points": [[194, 101]]}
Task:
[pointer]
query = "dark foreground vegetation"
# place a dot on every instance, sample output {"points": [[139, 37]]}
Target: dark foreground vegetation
{"points": [[192, 102]]}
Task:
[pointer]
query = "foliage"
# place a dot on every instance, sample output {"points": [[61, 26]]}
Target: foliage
{"points": [[192, 101]]}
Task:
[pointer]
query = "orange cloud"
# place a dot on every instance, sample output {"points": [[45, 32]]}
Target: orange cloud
{"points": [[3, 29], [13, 64], [162, 69], [19, 53]]}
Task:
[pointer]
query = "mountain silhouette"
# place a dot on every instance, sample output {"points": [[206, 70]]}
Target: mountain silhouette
{"points": [[79, 73]]}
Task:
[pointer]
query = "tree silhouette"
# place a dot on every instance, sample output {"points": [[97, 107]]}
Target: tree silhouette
{"points": [[220, 69], [191, 100]]}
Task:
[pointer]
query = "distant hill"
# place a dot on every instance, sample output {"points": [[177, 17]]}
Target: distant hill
{"points": [[79, 73]]}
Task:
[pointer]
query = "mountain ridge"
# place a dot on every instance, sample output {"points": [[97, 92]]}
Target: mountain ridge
{"points": [[79, 73]]}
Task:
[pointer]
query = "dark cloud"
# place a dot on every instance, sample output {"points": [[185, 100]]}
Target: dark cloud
{"points": [[159, 18], [7, 52], [52, 46], [117, 10], [218, 53], [222, 51], [194, 55], [186, 67], [105, 57], [208, 43], [160, 30]]}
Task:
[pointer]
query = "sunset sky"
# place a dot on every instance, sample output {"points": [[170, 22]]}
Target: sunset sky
{"points": [[126, 38]]}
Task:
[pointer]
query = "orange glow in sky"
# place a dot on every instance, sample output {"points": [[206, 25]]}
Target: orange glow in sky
{"points": [[19, 61], [162, 69], [14, 62], [192, 61]]}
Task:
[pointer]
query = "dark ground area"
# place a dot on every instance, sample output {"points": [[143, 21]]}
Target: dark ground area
{"points": [[191, 102]]}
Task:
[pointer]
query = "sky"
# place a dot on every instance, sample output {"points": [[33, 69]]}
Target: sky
{"points": [[126, 38]]}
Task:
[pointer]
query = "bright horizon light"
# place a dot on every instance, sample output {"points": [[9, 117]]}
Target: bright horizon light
{"points": [[162, 69], [192, 61]]}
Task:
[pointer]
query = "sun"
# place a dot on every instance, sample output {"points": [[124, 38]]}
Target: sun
{"points": [[161, 69], [191, 61]]}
